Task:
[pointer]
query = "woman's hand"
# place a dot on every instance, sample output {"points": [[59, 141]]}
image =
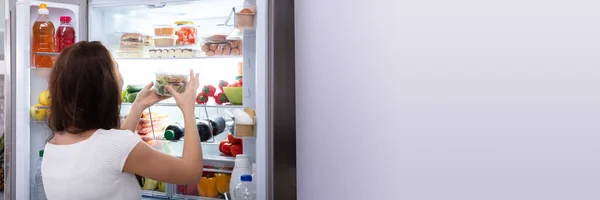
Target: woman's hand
{"points": [[187, 99], [148, 97]]}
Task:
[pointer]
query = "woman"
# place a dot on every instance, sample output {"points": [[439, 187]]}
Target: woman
{"points": [[92, 156]]}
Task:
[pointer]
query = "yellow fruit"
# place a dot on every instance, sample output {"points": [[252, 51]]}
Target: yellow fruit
{"points": [[38, 113], [162, 186], [45, 98], [149, 184]]}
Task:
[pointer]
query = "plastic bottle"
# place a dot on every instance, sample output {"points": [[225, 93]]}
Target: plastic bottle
{"points": [[241, 167], [254, 173], [39, 193], [174, 132], [65, 34], [245, 190], [42, 39]]}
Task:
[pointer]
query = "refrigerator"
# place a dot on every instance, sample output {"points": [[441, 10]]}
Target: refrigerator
{"points": [[265, 55]]}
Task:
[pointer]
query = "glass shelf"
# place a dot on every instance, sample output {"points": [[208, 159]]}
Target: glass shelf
{"points": [[47, 53], [197, 105], [185, 58]]}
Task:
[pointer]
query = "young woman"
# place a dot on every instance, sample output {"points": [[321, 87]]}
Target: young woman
{"points": [[91, 155]]}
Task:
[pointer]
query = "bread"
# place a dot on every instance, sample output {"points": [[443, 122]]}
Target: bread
{"points": [[132, 40]]}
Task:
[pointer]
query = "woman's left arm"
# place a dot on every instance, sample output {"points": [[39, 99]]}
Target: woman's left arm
{"points": [[145, 98]]}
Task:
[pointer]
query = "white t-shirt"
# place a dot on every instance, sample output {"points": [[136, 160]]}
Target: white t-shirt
{"points": [[92, 168]]}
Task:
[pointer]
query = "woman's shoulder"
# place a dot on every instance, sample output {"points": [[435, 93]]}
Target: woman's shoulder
{"points": [[113, 135]]}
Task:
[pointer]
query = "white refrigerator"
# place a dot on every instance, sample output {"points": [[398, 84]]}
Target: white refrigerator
{"points": [[265, 52]]}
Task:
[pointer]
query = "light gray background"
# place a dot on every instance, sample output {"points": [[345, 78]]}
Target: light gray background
{"points": [[444, 100]]}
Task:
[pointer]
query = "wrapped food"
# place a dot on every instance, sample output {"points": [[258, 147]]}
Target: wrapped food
{"points": [[175, 80]]}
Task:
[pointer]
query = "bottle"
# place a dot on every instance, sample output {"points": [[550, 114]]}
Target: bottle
{"points": [[65, 34], [241, 167], [254, 173], [174, 132], [39, 193], [245, 190], [42, 39]]}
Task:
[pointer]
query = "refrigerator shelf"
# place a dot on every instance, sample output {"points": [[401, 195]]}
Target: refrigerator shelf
{"points": [[185, 58], [48, 53], [197, 105]]}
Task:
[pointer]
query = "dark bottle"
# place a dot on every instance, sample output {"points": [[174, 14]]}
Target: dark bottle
{"points": [[204, 130], [218, 125], [174, 132]]}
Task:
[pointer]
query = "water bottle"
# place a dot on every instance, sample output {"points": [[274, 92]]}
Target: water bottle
{"points": [[245, 190], [39, 185]]}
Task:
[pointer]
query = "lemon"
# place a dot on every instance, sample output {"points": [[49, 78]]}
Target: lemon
{"points": [[45, 98], [38, 113]]}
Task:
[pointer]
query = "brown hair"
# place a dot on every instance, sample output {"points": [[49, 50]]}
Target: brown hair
{"points": [[84, 89]]}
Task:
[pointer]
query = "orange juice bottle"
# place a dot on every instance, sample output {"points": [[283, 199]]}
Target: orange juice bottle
{"points": [[42, 39]]}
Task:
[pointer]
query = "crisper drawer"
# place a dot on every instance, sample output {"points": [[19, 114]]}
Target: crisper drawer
{"points": [[213, 185]]}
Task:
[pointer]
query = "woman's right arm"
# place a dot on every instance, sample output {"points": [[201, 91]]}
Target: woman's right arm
{"points": [[148, 162]]}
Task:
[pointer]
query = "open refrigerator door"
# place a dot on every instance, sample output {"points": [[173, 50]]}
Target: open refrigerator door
{"points": [[28, 82], [151, 41]]}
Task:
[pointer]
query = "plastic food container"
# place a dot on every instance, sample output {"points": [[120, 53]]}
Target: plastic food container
{"points": [[144, 126], [187, 33], [132, 52], [165, 41], [226, 48], [164, 30], [244, 19], [177, 81]]}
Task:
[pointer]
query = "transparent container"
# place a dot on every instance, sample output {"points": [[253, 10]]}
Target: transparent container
{"points": [[177, 80], [187, 33], [131, 52], [244, 18], [224, 48], [132, 40], [164, 30], [165, 41]]}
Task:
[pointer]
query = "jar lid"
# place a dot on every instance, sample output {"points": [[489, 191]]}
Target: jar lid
{"points": [[179, 23]]}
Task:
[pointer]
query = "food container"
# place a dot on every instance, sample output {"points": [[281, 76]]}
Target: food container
{"points": [[131, 52], [187, 33], [177, 81], [174, 53], [225, 48], [132, 40], [164, 30], [244, 19], [144, 126], [165, 41]]}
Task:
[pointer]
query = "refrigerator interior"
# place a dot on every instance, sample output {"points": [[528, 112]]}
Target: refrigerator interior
{"points": [[106, 23]]}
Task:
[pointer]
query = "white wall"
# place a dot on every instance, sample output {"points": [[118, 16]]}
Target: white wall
{"points": [[444, 100]]}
